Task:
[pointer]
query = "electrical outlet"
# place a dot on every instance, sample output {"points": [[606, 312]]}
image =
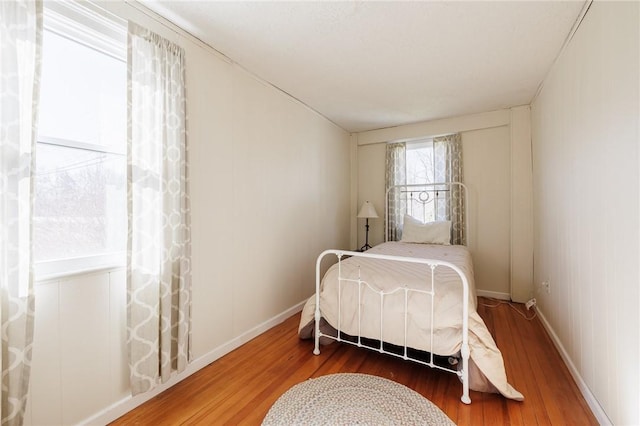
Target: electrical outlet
{"points": [[547, 286], [531, 303]]}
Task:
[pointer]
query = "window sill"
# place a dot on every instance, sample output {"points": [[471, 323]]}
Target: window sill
{"points": [[67, 268]]}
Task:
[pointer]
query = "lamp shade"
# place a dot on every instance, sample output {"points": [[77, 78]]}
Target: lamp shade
{"points": [[367, 211]]}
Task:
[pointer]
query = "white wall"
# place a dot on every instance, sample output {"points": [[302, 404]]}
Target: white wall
{"points": [[585, 133], [487, 140], [269, 191], [79, 354]]}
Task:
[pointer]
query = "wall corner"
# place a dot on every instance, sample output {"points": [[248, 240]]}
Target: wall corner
{"points": [[521, 274], [353, 203]]}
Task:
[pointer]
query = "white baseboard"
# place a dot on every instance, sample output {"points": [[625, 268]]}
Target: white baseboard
{"points": [[593, 403], [127, 404], [493, 294]]}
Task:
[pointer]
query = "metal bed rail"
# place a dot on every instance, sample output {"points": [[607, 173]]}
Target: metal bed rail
{"points": [[433, 264], [425, 194]]}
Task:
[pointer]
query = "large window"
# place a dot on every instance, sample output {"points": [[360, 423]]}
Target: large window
{"points": [[80, 201], [421, 169], [436, 162]]}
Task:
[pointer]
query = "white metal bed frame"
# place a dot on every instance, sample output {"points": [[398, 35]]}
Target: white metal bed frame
{"points": [[425, 193], [463, 373]]}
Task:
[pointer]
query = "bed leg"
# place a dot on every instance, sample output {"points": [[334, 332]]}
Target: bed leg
{"points": [[317, 315], [316, 335], [316, 349], [465, 375]]}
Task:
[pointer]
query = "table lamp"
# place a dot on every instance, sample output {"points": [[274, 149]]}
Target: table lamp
{"points": [[367, 211]]}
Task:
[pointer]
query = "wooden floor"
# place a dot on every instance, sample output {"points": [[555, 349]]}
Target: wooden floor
{"points": [[241, 387]]}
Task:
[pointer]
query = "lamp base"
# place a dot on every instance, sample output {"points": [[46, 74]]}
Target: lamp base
{"points": [[366, 245]]}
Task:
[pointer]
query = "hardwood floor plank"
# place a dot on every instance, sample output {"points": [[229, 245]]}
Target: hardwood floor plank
{"points": [[240, 387], [477, 408], [450, 405], [515, 358]]}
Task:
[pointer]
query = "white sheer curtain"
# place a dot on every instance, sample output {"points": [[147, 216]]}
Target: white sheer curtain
{"points": [[158, 264], [20, 58], [395, 174]]}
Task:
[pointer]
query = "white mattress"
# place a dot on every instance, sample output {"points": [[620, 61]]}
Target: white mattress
{"points": [[486, 363]]}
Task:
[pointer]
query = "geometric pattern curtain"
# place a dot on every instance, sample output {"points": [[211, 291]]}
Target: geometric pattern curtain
{"points": [[20, 58], [159, 241], [448, 168], [395, 174]]}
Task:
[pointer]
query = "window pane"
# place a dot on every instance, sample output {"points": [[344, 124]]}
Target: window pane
{"points": [[80, 203], [420, 169], [80, 194], [83, 94], [420, 164]]}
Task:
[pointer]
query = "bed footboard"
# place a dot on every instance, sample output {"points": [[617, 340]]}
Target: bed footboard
{"points": [[463, 373]]}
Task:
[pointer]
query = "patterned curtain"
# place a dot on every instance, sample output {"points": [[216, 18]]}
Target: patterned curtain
{"points": [[395, 174], [20, 59], [448, 168], [158, 255]]}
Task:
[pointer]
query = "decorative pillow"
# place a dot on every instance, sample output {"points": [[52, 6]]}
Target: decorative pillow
{"points": [[415, 231]]}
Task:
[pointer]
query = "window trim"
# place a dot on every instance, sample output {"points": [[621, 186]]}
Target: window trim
{"points": [[419, 144], [88, 25]]}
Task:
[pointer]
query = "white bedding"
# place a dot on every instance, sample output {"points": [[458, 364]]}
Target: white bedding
{"points": [[486, 367]]}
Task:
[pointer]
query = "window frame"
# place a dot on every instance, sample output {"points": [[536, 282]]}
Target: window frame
{"points": [[97, 29]]}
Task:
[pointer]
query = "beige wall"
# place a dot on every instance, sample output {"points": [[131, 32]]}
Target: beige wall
{"points": [[371, 187], [486, 174], [269, 191], [585, 126], [487, 155]]}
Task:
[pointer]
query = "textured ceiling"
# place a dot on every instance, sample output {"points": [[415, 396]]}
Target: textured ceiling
{"points": [[369, 65]]}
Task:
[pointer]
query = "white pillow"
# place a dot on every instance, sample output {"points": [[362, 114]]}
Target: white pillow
{"points": [[415, 231]]}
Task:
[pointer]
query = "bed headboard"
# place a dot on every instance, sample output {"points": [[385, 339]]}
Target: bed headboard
{"points": [[427, 202]]}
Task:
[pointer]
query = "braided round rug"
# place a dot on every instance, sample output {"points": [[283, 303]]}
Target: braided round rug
{"points": [[353, 399]]}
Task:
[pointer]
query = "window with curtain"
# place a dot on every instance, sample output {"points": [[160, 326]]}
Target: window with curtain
{"points": [[430, 160], [80, 199]]}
